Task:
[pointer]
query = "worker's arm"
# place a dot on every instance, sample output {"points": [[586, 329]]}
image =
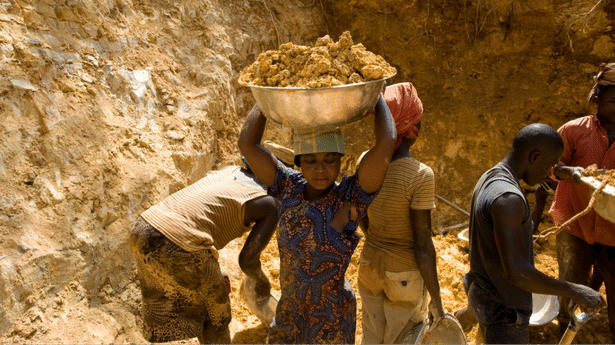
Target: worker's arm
{"points": [[374, 164], [563, 172], [539, 206], [261, 161], [540, 202], [507, 212], [263, 212], [425, 255]]}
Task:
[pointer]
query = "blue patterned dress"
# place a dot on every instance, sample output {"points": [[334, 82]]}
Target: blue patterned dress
{"points": [[317, 304]]}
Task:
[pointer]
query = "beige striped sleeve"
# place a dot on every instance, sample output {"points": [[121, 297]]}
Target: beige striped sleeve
{"points": [[422, 189]]}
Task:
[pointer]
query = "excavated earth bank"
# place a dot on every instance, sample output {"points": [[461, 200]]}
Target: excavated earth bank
{"points": [[108, 106]]}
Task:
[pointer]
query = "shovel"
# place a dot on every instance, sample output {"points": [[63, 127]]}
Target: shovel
{"points": [[263, 307], [576, 322]]}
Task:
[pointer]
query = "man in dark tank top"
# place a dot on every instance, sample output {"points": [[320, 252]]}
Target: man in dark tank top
{"points": [[502, 275]]}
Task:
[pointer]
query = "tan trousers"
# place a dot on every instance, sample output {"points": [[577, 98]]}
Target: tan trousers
{"points": [[393, 295]]}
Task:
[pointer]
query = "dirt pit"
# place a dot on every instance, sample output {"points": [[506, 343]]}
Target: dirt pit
{"points": [[326, 64], [452, 254], [110, 106], [114, 317]]}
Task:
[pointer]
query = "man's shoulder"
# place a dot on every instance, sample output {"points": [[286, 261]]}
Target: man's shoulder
{"points": [[509, 199], [496, 182], [217, 174], [575, 124], [497, 172]]}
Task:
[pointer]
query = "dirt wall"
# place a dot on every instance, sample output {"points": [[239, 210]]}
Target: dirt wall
{"points": [[483, 69], [107, 107]]}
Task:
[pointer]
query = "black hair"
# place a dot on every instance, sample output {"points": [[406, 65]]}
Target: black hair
{"points": [[537, 136]]}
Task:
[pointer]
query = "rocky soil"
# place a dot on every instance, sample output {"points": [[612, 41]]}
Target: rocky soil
{"points": [[328, 63], [108, 106]]}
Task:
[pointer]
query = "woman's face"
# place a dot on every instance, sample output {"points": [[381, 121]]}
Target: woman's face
{"points": [[320, 170]]}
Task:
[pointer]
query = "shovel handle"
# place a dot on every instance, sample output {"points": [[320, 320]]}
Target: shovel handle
{"points": [[575, 324], [568, 337]]}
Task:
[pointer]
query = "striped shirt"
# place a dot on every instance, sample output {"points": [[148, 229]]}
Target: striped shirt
{"points": [[207, 213], [409, 184]]}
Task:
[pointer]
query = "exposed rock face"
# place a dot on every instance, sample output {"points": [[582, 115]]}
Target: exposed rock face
{"points": [[483, 69], [107, 107]]}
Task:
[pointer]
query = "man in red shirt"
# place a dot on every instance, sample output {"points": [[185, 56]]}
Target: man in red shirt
{"points": [[591, 239]]}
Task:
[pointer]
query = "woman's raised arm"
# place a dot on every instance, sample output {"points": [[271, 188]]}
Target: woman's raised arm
{"points": [[374, 165], [261, 161]]}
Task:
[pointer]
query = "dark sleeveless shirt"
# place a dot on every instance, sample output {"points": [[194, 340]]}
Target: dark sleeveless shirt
{"points": [[485, 260]]}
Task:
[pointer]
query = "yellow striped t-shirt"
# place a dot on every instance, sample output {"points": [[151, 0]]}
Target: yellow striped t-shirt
{"points": [[208, 213], [408, 184]]}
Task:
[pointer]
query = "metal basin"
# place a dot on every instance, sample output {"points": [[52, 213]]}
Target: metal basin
{"points": [[605, 200], [317, 108], [263, 308], [448, 331], [544, 309], [464, 235]]}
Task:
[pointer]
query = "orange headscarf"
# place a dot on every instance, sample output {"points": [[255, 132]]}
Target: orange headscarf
{"points": [[406, 108]]}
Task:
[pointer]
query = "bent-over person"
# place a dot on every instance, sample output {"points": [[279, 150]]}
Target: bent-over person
{"points": [[175, 244]]}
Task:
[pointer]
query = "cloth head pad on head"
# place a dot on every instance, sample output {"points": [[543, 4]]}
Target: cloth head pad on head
{"points": [[605, 76], [315, 141], [406, 108]]}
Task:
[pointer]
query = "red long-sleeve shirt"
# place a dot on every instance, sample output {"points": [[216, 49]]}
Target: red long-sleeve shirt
{"points": [[586, 142]]}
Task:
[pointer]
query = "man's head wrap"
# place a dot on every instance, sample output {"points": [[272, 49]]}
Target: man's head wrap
{"points": [[315, 141], [406, 108], [605, 76]]}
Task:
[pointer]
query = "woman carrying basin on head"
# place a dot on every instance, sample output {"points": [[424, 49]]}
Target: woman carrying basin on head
{"points": [[318, 218]]}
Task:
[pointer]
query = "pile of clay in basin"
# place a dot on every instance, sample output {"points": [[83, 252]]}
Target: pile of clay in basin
{"points": [[326, 64]]}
